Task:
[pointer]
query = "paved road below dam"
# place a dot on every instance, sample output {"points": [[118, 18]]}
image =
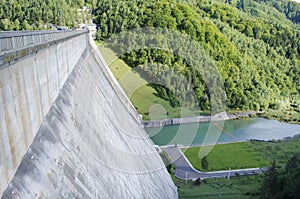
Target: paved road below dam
{"points": [[185, 170]]}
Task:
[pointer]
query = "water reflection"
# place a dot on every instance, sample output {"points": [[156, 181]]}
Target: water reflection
{"points": [[234, 130]]}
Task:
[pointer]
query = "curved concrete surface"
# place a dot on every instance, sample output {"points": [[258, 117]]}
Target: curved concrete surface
{"points": [[30, 80], [90, 144]]}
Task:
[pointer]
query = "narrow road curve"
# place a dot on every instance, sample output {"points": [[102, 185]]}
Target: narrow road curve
{"points": [[185, 170]]}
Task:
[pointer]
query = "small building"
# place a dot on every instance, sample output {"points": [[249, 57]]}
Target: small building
{"points": [[91, 27]]}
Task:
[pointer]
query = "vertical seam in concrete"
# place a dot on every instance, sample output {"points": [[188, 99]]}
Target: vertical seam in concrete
{"points": [[38, 86], [28, 112], [21, 108], [67, 55], [13, 42], [12, 147], [56, 59], [35, 93], [48, 83], [29, 130], [6, 145], [12, 93]]}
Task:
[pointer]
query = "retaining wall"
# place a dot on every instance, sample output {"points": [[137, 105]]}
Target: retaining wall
{"points": [[186, 120]]}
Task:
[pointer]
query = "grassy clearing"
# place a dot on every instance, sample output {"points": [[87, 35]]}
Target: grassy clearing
{"points": [[146, 102], [152, 107], [109, 55], [243, 187], [245, 154], [143, 96], [224, 156], [119, 68]]}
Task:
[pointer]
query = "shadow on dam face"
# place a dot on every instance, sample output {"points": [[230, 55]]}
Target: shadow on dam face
{"points": [[89, 142]]}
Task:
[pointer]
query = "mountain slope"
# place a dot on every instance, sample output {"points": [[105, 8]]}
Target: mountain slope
{"points": [[257, 57]]}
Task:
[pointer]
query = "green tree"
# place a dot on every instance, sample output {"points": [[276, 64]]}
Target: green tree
{"points": [[25, 25], [204, 163], [284, 182], [271, 184]]}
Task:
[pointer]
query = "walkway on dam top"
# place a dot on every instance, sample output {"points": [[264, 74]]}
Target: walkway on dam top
{"points": [[185, 170]]}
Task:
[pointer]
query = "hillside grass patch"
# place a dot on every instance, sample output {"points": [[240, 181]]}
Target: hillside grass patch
{"points": [[224, 156], [246, 154], [144, 98]]}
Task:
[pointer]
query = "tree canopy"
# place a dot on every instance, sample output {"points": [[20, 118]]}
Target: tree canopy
{"points": [[40, 14], [257, 57]]}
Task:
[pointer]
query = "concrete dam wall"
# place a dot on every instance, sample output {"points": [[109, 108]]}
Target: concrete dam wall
{"points": [[67, 128]]}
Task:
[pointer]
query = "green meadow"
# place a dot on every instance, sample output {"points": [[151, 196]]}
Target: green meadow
{"points": [[249, 154]]}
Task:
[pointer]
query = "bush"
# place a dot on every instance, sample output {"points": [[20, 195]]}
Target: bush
{"points": [[198, 182]]}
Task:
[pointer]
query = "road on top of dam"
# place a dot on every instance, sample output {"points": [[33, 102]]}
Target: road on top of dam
{"points": [[184, 170]]}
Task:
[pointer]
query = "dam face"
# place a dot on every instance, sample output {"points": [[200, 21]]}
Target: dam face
{"points": [[67, 128]]}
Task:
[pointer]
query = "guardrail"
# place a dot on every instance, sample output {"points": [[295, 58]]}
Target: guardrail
{"points": [[17, 44]]}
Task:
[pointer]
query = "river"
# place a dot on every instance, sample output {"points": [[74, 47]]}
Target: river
{"points": [[222, 132]]}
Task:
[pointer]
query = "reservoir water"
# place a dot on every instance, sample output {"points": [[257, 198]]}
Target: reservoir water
{"points": [[222, 132]]}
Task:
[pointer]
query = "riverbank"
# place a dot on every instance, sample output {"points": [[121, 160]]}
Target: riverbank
{"points": [[291, 115], [196, 119]]}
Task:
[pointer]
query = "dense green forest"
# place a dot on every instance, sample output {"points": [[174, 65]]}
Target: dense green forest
{"points": [[40, 14], [255, 44]]}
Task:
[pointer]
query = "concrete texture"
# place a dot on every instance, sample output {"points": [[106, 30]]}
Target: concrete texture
{"points": [[69, 131], [28, 87]]}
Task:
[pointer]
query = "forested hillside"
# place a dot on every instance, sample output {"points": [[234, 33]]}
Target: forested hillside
{"points": [[255, 45], [40, 14]]}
